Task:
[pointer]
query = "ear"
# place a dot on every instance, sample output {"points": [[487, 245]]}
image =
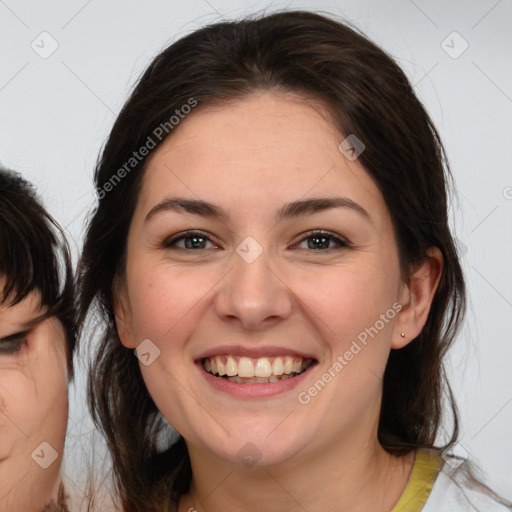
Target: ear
{"points": [[122, 312], [416, 298]]}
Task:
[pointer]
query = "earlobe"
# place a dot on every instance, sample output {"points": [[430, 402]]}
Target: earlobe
{"points": [[122, 314], [417, 297]]}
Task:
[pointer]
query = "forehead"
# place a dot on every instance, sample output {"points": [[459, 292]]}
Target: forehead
{"points": [[259, 129], [270, 145], [29, 307]]}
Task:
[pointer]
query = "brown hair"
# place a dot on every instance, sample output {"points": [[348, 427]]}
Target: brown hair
{"points": [[367, 94], [34, 255]]}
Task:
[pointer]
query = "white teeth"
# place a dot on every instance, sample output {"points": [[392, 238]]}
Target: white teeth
{"points": [[288, 365], [263, 368], [247, 370], [297, 365], [278, 367], [231, 367], [245, 367]]}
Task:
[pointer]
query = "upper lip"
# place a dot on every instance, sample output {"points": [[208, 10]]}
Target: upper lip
{"points": [[253, 352]]}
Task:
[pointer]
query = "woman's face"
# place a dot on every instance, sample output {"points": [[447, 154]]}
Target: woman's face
{"points": [[33, 405], [258, 288]]}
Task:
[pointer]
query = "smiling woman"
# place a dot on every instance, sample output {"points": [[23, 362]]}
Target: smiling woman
{"points": [[36, 347], [288, 239]]}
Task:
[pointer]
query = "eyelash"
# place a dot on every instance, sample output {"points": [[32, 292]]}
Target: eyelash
{"points": [[14, 344], [341, 242]]}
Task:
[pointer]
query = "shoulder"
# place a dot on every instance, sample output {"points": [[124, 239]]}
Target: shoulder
{"points": [[454, 490]]}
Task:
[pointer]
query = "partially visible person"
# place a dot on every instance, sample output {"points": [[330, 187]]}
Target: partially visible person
{"points": [[36, 347]]}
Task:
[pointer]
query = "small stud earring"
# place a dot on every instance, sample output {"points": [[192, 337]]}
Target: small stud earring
{"points": [[403, 335]]}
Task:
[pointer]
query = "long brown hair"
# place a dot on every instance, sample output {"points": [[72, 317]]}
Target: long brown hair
{"points": [[367, 94]]}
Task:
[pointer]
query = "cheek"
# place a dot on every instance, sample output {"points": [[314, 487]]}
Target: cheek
{"points": [[347, 299], [351, 309], [162, 385], [17, 409], [49, 374], [51, 389], [38, 400], [33, 403], [163, 299]]}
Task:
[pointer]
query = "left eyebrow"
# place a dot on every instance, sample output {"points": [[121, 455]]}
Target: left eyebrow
{"points": [[294, 209], [314, 205]]}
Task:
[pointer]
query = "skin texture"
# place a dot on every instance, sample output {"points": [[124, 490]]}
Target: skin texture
{"points": [[251, 157], [33, 408]]}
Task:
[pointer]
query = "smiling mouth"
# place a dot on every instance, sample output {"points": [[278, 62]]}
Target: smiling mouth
{"points": [[264, 370]]}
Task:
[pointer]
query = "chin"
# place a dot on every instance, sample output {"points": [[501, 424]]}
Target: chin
{"points": [[254, 447]]}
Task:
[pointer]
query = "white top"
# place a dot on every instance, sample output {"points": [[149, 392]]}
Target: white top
{"points": [[443, 483], [447, 496]]}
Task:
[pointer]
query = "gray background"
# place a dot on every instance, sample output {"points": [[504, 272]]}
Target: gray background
{"points": [[55, 113]]}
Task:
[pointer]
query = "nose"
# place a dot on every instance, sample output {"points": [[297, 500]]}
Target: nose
{"points": [[253, 294]]}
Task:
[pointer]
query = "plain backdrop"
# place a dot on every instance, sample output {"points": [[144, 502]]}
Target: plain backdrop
{"points": [[57, 109]]}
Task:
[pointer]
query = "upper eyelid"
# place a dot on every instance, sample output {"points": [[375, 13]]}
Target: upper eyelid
{"points": [[15, 337]]}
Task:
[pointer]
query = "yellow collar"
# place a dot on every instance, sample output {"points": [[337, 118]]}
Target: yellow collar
{"points": [[426, 468]]}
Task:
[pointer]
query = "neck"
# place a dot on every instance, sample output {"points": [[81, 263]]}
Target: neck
{"points": [[346, 476]]}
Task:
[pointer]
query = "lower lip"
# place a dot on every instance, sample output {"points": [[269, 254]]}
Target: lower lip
{"points": [[253, 390]]}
